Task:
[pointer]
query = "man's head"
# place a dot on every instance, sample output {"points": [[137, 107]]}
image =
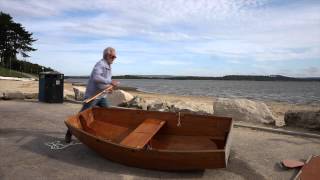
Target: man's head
{"points": [[109, 54]]}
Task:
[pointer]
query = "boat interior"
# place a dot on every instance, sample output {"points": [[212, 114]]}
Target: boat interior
{"points": [[140, 129]]}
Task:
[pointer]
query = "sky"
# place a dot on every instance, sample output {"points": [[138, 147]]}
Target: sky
{"points": [[174, 37]]}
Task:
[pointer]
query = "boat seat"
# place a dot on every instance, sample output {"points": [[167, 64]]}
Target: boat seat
{"points": [[139, 137]]}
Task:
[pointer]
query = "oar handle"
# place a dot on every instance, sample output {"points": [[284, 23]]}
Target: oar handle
{"points": [[97, 95]]}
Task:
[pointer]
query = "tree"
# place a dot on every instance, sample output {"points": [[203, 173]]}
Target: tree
{"points": [[14, 39]]}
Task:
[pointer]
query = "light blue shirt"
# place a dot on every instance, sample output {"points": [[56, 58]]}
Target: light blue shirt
{"points": [[100, 77]]}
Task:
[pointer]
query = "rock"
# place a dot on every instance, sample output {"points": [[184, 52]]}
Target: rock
{"points": [[157, 105], [13, 95], [68, 94], [119, 97], [304, 119], [243, 110], [1, 95], [192, 107], [116, 98], [79, 93], [167, 106], [137, 102], [280, 122], [30, 95]]}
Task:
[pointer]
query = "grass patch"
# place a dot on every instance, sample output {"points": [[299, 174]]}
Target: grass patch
{"points": [[7, 73]]}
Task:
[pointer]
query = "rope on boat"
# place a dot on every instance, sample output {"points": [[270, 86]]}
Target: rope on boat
{"points": [[179, 120], [57, 145]]}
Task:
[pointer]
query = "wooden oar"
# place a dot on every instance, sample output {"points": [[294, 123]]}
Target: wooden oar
{"points": [[97, 95]]}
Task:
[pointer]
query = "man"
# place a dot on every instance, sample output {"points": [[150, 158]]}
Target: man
{"points": [[100, 79]]}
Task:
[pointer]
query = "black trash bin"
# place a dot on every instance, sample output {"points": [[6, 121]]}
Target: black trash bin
{"points": [[51, 87]]}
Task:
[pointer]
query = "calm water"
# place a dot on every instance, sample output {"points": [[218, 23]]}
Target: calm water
{"points": [[292, 92]]}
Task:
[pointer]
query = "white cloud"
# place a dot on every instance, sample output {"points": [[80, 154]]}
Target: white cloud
{"points": [[171, 63], [231, 29], [125, 60]]}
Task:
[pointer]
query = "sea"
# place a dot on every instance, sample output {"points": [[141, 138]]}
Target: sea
{"points": [[296, 92]]}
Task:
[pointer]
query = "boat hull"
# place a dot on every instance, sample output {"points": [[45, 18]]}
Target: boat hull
{"points": [[158, 159]]}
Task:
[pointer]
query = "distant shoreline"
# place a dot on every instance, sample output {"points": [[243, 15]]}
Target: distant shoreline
{"points": [[228, 77]]}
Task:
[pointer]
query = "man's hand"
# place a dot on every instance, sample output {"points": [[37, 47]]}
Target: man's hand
{"points": [[108, 88], [115, 83], [110, 91], [111, 86]]}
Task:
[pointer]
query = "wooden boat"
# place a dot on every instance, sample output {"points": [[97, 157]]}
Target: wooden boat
{"points": [[155, 140]]}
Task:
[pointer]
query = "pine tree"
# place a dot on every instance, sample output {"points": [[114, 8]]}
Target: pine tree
{"points": [[14, 39]]}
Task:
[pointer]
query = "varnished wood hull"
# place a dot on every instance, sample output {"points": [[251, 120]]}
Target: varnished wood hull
{"points": [[169, 151]]}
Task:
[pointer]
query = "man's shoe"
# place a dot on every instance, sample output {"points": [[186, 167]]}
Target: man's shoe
{"points": [[68, 137]]}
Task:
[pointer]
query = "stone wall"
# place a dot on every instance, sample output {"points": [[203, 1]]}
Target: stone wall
{"points": [[304, 119]]}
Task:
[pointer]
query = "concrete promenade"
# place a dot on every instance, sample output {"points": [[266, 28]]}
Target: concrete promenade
{"points": [[25, 127]]}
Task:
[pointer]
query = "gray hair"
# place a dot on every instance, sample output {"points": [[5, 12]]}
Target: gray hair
{"points": [[108, 50]]}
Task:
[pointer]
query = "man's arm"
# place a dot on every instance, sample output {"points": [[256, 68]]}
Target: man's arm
{"points": [[98, 75], [100, 80]]}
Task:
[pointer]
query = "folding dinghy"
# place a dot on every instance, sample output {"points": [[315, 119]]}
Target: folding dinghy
{"points": [[155, 140]]}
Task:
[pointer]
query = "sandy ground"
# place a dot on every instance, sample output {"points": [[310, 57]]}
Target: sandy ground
{"points": [[277, 108], [25, 127], [28, 86]]}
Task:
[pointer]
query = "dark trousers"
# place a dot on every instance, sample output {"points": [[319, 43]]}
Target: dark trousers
{"points": [[102, 102]]}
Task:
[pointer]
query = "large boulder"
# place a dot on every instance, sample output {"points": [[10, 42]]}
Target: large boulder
{"points": [[119, 97], [157, 105], [79, 92], [8, 95], [150, 105], [192, 107], [137, 102], [115, 98], [304, 119], [243, 110], [168, 106]]}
